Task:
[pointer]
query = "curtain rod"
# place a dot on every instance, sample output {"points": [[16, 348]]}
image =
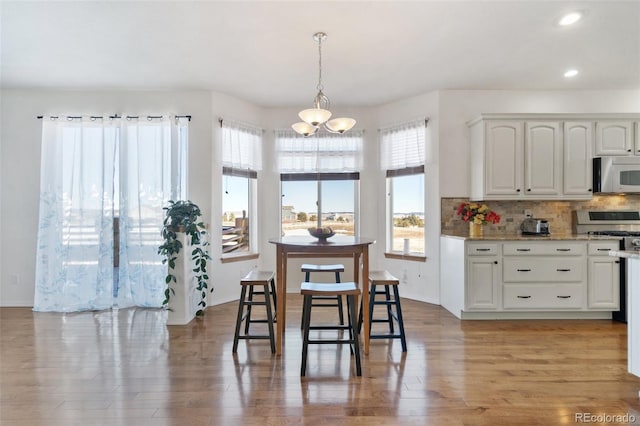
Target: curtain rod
{"points": [[94, 117], [391, 126]]}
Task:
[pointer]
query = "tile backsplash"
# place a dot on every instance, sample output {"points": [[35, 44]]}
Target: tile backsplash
{"points": [[558, 213]]}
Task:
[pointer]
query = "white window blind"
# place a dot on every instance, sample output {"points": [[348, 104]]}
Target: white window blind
{"points": [[402, 146], [241, 145], [321, 153]]}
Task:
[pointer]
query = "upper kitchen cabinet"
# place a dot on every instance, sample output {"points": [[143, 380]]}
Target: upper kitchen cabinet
{"points": [[615, 137], [515, 159], [497, 167], [577, 158], [542, 158]]}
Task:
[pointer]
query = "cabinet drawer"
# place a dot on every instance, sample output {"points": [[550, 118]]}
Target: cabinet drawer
{"points": [[544, 269], [543, 296], [482, 249], [528, 249], [602, 248]]}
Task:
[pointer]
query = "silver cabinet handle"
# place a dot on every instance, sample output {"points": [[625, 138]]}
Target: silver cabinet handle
{"points": [[523, 249], [483, 249], [563, 249]]}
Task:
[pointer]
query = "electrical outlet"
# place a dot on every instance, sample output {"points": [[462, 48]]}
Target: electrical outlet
{"points": [[527, 213]]}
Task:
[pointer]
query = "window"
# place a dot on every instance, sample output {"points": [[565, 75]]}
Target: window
{"points": [[242, 158], [319, 181], [402, 157], [319, 200], [238, 187]]}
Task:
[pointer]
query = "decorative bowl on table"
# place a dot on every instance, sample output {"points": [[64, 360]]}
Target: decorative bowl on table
{"points": [[321, 233]]}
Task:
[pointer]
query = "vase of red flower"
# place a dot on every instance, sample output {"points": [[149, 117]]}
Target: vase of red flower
{"points": [[477, 215]]}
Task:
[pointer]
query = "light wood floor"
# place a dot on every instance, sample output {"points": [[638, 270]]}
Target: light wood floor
{"points": [[127, 368]]}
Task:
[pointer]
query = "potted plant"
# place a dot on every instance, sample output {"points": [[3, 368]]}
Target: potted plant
{"points": [[184, 216]]}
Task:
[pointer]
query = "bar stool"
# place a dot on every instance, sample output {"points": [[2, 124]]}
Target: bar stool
{"points": [[309, 291], [267, 281], [384, 278], [326, 301]]}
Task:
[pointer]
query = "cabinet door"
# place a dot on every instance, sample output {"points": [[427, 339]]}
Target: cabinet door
{"points": [[637, 133], [578, 151], [614, 137], [604, 283], [543, 154], [482, 283], [504, 157]]}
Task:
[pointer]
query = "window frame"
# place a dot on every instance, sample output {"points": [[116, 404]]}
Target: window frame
{"points": [[252, 185], [389, 251], [323, 177]]}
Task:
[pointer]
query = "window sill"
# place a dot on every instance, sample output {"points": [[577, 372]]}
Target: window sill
{"points": [[409, 257], [239, 258]]}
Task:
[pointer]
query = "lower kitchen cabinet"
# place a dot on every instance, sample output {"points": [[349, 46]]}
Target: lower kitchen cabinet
{"points": [[604, 277], [482, 282], [543, 296], [529, 278]]}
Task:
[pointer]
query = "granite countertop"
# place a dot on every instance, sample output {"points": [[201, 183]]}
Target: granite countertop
{"points": [[626, 253], [490, 236]]}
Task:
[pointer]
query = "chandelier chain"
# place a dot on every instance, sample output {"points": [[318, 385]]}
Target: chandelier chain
{"points": [[320, 86]]}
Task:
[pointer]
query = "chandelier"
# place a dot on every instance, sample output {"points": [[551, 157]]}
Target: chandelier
{"points": [[319, 115]]}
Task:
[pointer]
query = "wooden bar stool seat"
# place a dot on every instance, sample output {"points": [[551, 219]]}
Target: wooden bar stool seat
{"points": [[326, 301], [310, 290], [266, 280], [385, 279]]}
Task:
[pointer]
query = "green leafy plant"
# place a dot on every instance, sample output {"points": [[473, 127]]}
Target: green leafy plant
{"points": [[184, 216]]}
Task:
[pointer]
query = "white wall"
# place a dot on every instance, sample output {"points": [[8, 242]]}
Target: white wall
{"points": [[20, 149], [420, 280], [225, 277]]}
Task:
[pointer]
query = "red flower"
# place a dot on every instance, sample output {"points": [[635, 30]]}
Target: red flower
{"points": [[478, 213]]}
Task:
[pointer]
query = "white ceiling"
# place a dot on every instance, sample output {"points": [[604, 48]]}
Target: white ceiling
{"points": [[263, 51]]}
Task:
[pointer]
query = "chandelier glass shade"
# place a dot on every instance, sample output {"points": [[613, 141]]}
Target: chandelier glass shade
{"points": [[319, 115]]}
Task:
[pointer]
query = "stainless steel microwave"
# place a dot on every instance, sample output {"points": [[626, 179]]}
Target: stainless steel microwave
{"points": [[616, 175]]}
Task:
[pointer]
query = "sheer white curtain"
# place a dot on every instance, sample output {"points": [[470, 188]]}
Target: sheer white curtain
{"points": [[150, 175], [402, 146], [93, 170], [323, 152], [74, 261], [241, 145]]}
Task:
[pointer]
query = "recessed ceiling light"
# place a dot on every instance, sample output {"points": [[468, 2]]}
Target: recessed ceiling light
{"points": [[570, 18], [571, 73]]}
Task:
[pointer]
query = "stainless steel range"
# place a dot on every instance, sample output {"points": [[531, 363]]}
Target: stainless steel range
{"points": [[617, 223]]}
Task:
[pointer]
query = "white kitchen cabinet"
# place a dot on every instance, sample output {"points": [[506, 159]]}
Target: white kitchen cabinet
{"points": [[528, 278], [514, 159], [544, 275], [543, 296], [482, 282], [503, 157], [604, 276], [614, 137], [522, 159], [542, 158], [637, 138], [577, 158]]}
